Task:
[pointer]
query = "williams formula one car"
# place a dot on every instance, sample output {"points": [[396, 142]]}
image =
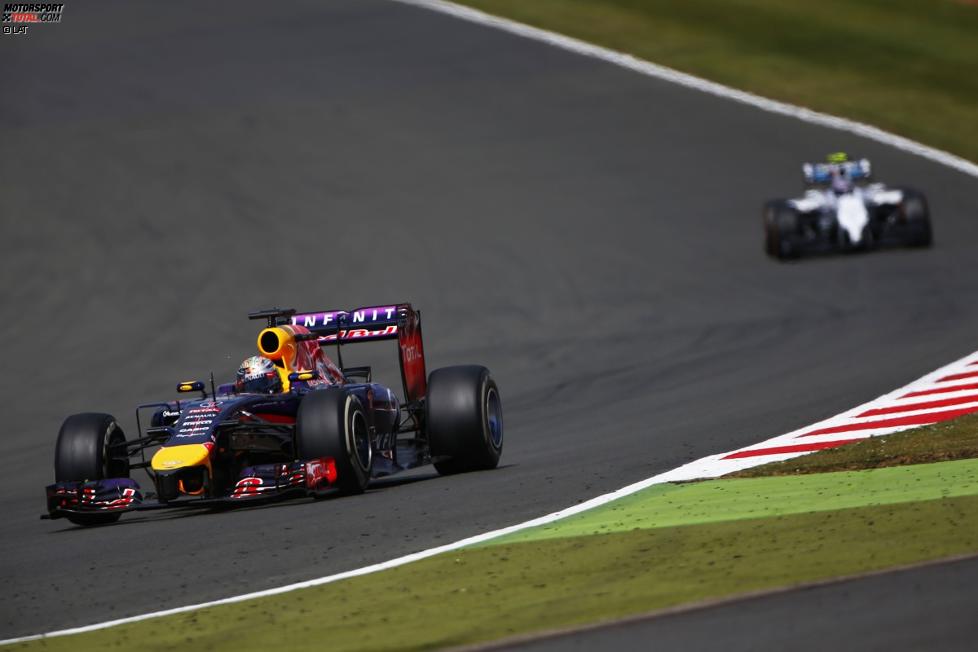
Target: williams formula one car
{"points": [[844, 210], [300, 425]]}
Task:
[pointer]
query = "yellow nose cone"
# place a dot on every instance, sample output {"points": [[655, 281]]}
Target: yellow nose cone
{"points": [[170, 458]]}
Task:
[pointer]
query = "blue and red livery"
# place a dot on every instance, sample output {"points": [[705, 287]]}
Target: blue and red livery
{"points": [[330, 430]]}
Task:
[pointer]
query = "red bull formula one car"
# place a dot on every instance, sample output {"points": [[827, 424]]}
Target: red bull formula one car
{"points": [[313, 428]]}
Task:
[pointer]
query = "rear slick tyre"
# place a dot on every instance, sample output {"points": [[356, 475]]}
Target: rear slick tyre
{"points": [[915, 213], [464, 419]]}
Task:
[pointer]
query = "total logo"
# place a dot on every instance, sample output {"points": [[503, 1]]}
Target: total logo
{"points": [[411, 353], [18, 15]]}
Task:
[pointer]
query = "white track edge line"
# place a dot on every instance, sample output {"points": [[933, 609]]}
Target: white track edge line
{"points": [[667, 476], [690, 81], [643, 67]]}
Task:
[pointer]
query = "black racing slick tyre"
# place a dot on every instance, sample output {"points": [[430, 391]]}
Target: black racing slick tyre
{"points": [[915, 214], [464, 419], [333, 423], [91, 446], [780, 230], [868, 238]]}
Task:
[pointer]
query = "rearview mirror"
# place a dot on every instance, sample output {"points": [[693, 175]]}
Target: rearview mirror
{"points": [[303, 376]]}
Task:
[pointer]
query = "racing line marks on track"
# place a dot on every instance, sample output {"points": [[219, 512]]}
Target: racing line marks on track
{"points": [[776, 448], [683, 79]]}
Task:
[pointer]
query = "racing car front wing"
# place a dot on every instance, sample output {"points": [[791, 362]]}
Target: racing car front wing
{"points": [[260, 482]]}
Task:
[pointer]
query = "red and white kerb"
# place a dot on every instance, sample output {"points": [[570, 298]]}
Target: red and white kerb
{"points": [[948, 393]]}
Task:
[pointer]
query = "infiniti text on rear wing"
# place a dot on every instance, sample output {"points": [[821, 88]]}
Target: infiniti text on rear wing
{"points": [[374, 323], [363, 324]]}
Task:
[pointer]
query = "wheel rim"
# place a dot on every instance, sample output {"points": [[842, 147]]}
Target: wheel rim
{"points": [[494, 418], [360, 438]]}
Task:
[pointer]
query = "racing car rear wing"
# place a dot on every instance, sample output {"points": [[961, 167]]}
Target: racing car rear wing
{"points": [[821, 173], [370, 324], [363, 324]]}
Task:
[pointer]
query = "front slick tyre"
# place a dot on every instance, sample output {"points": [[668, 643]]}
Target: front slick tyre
{"points": [[780, 230], [332, 423], [91, 446], [464, 418]]}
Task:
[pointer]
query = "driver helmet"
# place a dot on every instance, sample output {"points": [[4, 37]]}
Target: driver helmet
{"points": [[258, 375], [841, 183]]}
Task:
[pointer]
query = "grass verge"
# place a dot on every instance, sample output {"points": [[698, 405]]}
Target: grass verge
{"points": [[907, 66]]}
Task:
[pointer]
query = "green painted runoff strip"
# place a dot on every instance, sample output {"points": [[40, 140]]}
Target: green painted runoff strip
{"points": [[713, 501]]}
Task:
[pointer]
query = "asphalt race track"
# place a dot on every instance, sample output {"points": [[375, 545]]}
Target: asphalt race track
{"points": [[591, 235], [930, 608]]}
